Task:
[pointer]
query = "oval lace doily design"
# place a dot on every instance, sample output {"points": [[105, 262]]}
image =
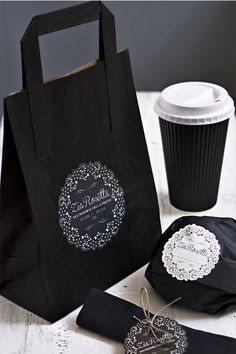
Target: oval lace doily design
{"points": [[132, 344], [98, 174], [200, 243]]}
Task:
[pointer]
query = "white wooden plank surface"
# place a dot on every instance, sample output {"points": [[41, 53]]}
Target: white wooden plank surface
{"points": [[24, 333]]}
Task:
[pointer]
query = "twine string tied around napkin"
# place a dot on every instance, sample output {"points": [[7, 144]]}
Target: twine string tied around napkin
{"points": [[149, 321]]}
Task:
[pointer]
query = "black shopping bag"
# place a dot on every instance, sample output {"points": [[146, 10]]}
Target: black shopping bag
{"points": [[78, 201]]}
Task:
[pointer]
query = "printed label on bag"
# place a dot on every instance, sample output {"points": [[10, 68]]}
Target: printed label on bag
{"points": [[170, 338], [191, 253], [91, 206]]}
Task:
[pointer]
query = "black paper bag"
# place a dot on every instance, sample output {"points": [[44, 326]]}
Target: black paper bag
{"points": [[112, 317], [78, 201]]}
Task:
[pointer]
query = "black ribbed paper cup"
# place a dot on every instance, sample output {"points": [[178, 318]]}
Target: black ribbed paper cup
{"points": [[193, 158], [194, 119]]}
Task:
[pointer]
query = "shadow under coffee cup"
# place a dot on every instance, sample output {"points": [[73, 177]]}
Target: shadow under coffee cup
{"points": [[194, 120]]}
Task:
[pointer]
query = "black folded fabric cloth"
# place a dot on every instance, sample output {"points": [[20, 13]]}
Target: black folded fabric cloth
{"points": [[215, 292], [112, 317]]}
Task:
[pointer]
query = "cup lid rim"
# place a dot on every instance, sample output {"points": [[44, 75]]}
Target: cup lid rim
{"points": [[194, 103]]}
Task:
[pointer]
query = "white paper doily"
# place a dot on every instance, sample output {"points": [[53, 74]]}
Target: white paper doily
{"points": [[191, 253]]}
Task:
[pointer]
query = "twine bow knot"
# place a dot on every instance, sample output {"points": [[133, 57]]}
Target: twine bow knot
{"points": [[149, 321]]}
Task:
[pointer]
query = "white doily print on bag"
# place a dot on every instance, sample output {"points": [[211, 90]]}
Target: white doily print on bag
{"points": [[91, 206], [191, 253]]}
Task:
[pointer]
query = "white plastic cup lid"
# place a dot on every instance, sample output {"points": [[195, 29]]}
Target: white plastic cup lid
{"points": [[194, 103]]}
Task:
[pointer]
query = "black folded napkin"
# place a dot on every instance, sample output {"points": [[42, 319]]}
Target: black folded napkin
{"points": [[214, 292], [112, 317]]}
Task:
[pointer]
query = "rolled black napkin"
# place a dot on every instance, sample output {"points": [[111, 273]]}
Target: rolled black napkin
{"points": [[112, 317], [211, 289]]}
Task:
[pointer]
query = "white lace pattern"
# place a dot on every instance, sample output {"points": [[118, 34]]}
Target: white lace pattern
{"points": [[191, 253]]}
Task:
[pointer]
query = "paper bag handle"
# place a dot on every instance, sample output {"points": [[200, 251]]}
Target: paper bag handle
{"points": [[31, 61]]}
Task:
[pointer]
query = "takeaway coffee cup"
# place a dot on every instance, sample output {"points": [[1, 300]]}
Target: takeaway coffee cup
{"points": [[193, 119]]}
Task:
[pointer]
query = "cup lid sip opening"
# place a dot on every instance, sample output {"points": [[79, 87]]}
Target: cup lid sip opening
{"points": [[194, 103]]}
